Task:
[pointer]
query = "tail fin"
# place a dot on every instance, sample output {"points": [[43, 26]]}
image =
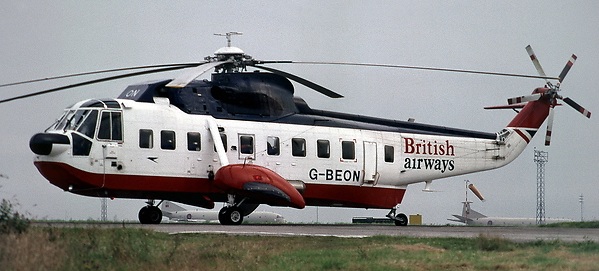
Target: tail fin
{"points": [[469, 213], [528, 121], [168, 206], [535, 109]]}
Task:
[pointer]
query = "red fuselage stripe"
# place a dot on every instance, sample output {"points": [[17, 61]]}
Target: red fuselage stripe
{"points": [[526, 138], [63, 176]]}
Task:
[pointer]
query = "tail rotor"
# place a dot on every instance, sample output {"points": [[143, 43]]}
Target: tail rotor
{"points": [[550, 93]]}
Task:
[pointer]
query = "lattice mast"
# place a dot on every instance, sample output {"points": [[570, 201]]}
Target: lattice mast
{"points": [[541, 158], [104, 214]]}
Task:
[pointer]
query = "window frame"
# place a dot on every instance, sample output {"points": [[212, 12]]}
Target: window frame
{"points": [[275, 148], [323, 148], [197, 143], [163, 144], [389, 154], [150, 139], [348, 150], [298, 142]]}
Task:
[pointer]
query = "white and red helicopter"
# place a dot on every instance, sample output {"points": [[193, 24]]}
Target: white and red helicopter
{"points": [[244, 139]]}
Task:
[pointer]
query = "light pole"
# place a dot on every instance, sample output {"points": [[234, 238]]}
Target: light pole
{"points": [[581, 200]]}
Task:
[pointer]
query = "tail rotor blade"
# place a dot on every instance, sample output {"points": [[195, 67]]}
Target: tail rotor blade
{"points": [[567, 68], [578, 108], [535, 61], [522, 99], [549, 127]]}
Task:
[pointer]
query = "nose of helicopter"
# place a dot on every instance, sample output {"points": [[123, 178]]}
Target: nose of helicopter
{"points": [[44, 143]]}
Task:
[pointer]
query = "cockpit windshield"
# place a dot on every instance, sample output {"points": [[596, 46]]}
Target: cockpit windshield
{"points": [[62, 122], [83, 121], [82, 116], [88, 126]]}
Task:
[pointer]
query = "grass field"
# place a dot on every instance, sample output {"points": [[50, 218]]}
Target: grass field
{"points": [[42, 248]]}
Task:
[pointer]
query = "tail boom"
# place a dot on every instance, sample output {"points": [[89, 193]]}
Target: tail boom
{"points": [[469, 155]]}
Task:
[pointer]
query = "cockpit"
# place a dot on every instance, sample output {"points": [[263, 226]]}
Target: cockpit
{"points": [[84, 121], [83, 118]]}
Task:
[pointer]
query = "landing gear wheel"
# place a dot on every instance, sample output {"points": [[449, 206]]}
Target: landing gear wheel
{"points": [[222, 216], [230, 216], [155, 216], [150, 215], [143, 215], [401, 220], [235, 216]]}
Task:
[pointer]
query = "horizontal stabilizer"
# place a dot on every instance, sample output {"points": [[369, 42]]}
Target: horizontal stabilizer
{"points": [[511, 106], [461, 219]]}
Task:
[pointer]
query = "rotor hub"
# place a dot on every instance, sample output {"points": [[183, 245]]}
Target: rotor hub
{"points": [[229, 51], [235, 55]]}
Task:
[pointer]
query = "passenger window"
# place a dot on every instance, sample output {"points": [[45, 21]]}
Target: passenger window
{"points": [[167, 140], [348, 150], [146, 138], [389, 154], [246, 144], [298, 147], [193, 141], [223, 137], [273, 145], [323, 148]]}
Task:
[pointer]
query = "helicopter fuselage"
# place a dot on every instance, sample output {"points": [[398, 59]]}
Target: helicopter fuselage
{"points": [[156, 143]]}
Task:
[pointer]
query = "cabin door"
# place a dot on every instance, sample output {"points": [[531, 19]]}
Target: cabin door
{"points": [[370, 159]]}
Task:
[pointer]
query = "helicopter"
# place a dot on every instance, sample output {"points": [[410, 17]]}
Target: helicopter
{"points": [[243, 138]]}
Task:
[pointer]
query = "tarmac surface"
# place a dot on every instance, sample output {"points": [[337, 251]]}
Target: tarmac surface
{"points": [[518, 234]]}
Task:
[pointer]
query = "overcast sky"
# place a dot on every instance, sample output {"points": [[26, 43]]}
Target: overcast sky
{"points": [[49, 38]]}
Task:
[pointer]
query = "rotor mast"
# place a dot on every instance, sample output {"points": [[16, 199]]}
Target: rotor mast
{"points": [[230, 53]]}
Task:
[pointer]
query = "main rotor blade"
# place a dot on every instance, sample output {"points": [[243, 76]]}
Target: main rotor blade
{"points": [[567, 68], [535, 61], [95, 81], [578, 108], [419, 68], [192, 74], [549, 127], [185, 65], [303, 81]]}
